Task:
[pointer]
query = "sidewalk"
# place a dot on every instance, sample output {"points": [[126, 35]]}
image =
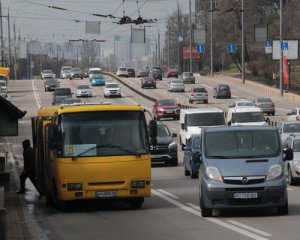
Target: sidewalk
{"points": [[15, 224]]}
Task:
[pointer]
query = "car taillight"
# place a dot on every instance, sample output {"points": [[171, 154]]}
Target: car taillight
{"points": [[206, 93], [257, 105], [192, 94], [298, 118]]}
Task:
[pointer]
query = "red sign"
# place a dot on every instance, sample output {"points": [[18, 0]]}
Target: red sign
{"points": [[186, 52], [285, 69]]}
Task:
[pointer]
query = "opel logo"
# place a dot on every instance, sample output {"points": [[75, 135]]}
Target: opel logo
{"points": [[244, 180]]}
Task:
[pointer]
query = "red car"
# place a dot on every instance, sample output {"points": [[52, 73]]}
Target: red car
{"points": [[171, 73], [166, 108]]}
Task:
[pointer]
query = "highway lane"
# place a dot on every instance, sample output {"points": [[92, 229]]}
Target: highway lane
{"points": [[172, 212]]}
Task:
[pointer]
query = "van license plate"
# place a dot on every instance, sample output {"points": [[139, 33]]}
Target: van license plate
{"points": [[103, 194], [245, 195]]}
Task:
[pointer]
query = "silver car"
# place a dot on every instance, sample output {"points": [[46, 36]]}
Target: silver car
{"points": [[83, 91], [198, 94], [176, 85], [188, 77], [242, 167], [292, 168]]}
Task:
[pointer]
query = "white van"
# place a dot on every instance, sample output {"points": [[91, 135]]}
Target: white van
{"points": [[94, 71], [192, 120], [245, 116]]}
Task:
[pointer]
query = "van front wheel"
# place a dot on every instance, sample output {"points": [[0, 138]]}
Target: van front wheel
{"points": [[205, 212]]}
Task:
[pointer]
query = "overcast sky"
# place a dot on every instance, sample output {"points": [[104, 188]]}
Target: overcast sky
{"points": [[35, 20]]}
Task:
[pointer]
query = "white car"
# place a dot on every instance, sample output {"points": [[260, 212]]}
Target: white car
{"points": [[112, 89], [83, 91], [47, 74], [246, 116], [122, 72], [176, 85], [294, 115], [242, 103]]}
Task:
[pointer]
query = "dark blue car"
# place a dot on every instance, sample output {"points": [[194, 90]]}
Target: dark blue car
{"points": [[191, 168], [97, 80]]}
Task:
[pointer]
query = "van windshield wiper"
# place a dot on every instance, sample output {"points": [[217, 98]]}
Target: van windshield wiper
{"points": [[220, 157], [136, 153]]}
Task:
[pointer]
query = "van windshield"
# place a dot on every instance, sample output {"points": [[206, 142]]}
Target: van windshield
{"points": [[205, 119], [242, 144]]}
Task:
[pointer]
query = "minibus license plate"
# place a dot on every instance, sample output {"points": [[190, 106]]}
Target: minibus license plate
{"points": [[244, 195], [104, 194]]}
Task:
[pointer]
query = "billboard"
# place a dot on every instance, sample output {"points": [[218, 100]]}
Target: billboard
{"points": [[199, 35], [92, 27], [186, 52], [137, 35], [292, 49]]}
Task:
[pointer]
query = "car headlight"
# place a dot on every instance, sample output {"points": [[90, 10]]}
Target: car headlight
{"points": [[274, 172], [173, 145], [213, 173]]}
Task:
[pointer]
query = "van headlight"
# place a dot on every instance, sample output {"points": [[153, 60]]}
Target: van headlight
{"points": [[274, 172], [213, 173]]}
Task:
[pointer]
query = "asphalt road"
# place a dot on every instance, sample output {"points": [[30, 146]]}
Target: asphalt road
{"points": [[173, 210]]}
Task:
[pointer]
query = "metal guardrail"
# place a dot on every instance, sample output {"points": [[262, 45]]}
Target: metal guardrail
{"points": [[183, 106]]}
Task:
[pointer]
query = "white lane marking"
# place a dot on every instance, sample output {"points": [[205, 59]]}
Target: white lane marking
{"points": [[175, 129], [216, 221], [250, 228], [36, 95], [290, 189], [135, 103], [167, 193], [283, 109], [192, 205]]}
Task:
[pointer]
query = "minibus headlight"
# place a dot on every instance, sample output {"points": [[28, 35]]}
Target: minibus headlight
{"points": [[274, 172], [74, 186], [138, 184], [213, 173]]}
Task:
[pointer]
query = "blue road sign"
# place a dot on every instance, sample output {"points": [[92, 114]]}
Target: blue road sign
{"points": [[268, 43], [200, 48], [284, 45], [231, 48]]}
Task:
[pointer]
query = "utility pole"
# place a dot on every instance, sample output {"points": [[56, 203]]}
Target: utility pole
{"points": [[2, 42], [15, 48], [178, 37], [159, 58], [211, 39], [9, 46], [281, 51], [190, 23], [168, 45], [243, 45]]}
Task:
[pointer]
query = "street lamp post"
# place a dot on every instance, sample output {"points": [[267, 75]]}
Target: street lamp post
{"points": [[281, 50], [243, 45], [190, 23], [211, 38]]}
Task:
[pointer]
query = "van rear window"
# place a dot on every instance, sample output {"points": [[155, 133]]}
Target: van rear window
{"points": [[206, 119]]}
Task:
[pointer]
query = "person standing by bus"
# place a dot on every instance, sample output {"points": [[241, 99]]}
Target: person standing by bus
{"points": [[28, 170]]}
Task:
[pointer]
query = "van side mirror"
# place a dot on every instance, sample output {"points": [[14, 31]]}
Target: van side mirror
{"points": [[55, 139], [153, 129], [288, 154], [174, 135], [288, 114], [182, 126]]}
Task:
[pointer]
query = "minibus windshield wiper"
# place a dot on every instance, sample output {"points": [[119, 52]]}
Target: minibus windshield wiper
{"points": [[136, 153]]}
